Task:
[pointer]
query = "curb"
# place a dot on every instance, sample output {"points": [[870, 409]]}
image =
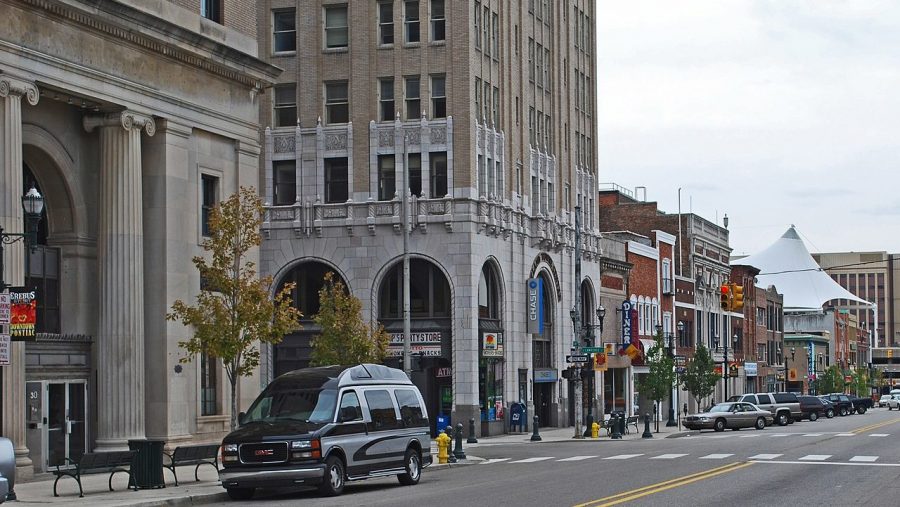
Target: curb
{"points": [[219, 496]]}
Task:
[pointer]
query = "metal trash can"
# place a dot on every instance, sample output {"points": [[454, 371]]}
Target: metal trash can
{"points": [[147, 467]]}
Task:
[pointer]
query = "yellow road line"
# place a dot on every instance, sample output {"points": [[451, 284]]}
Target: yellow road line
{"points": [[663, 486], [870, 427]]}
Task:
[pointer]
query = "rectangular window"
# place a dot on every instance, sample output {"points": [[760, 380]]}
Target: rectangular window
{"points": [[496, 108], [477, 98], [531, 59], [495, 33], [482, 178], [477, 21], [285, 105], [284, 176], [413, 98], [438, 173], [438, 96], [438, 20], [386, 98], [535, 195], [336, 180], [487, 102], [43, 275], [210, 195], [531, 126], [411, 22], [336, 32], [499, 171], [386, 23], [387, 182], [547, 69], [491, 180], [539, 66], [381, 408], [211, 10], [284, 30], [337, 103], [208, 383], [486, 29], [551, 197], [414, 161]]}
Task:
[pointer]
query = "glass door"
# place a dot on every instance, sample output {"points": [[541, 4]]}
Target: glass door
{"points": [[65, 413]]}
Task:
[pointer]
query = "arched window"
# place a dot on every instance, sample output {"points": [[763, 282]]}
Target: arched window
{"points": [[542, 344], [488, 293], [429, 292], [310, 278]]}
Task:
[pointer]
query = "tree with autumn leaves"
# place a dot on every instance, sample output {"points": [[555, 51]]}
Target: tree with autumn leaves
{"points": [[236, 309], [345, 337]]}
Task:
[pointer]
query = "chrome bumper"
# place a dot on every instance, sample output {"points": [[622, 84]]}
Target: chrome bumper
{"points": [[271, 477]]}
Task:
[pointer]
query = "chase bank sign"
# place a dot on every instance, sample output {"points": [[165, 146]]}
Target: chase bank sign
{"points": [[535, 310]]}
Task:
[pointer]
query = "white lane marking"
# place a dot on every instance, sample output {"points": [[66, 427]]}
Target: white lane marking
{"points": [[716, 456], [833, 463], [533, 460], [720, 436], [845, 435], [878, 434], [812, 434], [669, 456], [494, 460], [624, 456], [776, 435], [766, 456], [577, 458], [749, 436], [864, 459], [815, 457]]}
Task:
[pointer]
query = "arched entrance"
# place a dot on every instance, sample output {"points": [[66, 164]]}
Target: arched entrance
{"points": [[491, 363], [543, 356], [431, 332], [294, 350]]}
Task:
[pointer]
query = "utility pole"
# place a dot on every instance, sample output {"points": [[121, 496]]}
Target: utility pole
{"points": [[404, 211], [578, 327]]}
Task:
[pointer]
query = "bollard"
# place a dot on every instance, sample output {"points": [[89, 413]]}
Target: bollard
{"points": [[451, 458], [647, 433], [623, 421], [471, 439], [458, 450], [616, 432], [535, 437]]}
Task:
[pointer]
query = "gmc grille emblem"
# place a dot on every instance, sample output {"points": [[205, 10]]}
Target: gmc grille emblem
{"points": [[264, 452]]}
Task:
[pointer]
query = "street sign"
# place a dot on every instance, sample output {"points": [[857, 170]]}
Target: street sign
{"points": [[4, 308], [5, 345], [680, 360], [680, 369], [577, 359], [592, 350]]}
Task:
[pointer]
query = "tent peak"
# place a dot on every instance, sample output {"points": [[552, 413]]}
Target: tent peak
{"points": [[791, 233]]}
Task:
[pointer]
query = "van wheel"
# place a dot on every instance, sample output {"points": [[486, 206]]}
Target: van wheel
{"points": [[830, 413], [240, 493], [761, 423], [719, 425], [782, 419], [813, 416], [333, 482], [413, 465]]}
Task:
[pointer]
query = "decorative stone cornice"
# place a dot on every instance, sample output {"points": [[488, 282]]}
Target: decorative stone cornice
{"points": [[128, 120], [10, 86]]}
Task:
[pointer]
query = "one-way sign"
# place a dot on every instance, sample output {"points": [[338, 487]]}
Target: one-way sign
{"points": [[577, 359]]}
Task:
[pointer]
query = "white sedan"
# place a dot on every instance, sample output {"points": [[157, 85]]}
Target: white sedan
{"points": [[893, 402], [883, 401]]}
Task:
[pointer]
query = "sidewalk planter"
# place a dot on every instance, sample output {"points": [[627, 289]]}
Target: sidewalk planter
{"points": [[147, 468]]}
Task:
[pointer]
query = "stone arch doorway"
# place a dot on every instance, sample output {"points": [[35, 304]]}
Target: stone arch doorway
{"points": [[491, 363], [294, 350]]}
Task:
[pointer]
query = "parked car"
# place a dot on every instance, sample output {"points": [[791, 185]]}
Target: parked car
{"points": [[784, 406], [812, 408], [892, 402], [325, 426], [841, 402], [883, 400], [860, 405], [730, 415], [829, 407]]}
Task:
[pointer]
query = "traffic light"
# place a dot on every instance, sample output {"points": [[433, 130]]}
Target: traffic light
{"points": [[725, 297], [737, 297]]}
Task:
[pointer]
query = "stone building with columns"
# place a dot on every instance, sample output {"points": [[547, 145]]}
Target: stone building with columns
{"points": [[488, 106], [131, 117]]}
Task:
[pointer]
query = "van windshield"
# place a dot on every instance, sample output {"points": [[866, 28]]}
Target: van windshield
{"points": [[306, 405]]}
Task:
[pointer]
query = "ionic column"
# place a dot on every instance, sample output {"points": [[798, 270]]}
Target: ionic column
{"points": [[11, 92], [120, 266]]}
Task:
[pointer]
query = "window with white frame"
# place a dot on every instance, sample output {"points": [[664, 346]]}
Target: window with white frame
{"points": [[336, 27], [336, 180], [439, 96], [337, 102], [284, 30], [438, 21], [413, 98], [411, 21], [386, 23]]}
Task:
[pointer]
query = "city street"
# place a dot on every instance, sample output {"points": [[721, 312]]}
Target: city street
{"points": [[849, 460]]}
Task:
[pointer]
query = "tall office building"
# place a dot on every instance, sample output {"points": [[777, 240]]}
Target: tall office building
{"points": [[487, 107]]}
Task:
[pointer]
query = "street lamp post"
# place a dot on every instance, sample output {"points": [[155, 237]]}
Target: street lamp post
{"points": [[580, 334], [33, 206], [671, 349]]}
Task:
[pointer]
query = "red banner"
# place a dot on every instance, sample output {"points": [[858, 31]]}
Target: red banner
{"points": [[23, 313]]}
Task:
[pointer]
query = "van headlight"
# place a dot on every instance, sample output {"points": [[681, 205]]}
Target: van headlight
{"points": [[301, 444], [230, 448]]}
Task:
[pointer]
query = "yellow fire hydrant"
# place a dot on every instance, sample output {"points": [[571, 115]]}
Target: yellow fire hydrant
{"points": [[595, 430], [443, 443]]}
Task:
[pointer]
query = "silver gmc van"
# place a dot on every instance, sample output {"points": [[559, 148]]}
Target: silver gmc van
{"points": [[325, 426]]}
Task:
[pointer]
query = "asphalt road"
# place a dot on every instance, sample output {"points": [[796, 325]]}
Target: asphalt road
{"points": [[852, 460]]}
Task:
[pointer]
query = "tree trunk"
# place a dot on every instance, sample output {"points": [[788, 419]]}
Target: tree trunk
{"points": [[234, 402]]}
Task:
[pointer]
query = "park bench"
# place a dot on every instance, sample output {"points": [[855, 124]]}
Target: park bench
{"points": [[193, 455], [96, 463]]}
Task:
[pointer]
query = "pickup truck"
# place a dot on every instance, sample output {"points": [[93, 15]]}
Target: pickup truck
{"points": [[841, 402], [861, 404]]}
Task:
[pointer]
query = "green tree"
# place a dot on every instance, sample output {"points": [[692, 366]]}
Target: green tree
{"points": [[877, 380], [859, 385], [345, 337], [700, 376], [658, 382], [831, 381], [235, 308]]}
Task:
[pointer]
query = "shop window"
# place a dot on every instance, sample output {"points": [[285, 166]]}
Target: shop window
{"points": [[336, 180]]}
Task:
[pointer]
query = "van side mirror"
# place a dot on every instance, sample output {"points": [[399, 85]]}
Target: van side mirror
{"points": [[348, 414]]}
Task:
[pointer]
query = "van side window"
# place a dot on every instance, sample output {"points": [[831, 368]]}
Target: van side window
{"points": [[349, 410], [381, 407], [410, 410]]}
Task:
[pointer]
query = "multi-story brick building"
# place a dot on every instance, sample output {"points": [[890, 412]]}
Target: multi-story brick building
{"points": [[487, 106], [760, 349], [131, 118]]}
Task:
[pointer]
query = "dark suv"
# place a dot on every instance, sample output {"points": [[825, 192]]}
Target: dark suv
{"points": [[811, 407]]}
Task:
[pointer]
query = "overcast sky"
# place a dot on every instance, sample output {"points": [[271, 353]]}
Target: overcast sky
{"points": [[775, 112]]}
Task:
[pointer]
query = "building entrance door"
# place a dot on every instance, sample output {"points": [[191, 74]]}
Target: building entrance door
{"points": [[65, 416]]}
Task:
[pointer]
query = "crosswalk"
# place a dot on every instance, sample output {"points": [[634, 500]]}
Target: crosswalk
{"points": [[763, 457]]}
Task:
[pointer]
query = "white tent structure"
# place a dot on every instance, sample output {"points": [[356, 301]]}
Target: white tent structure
{"points": [[788, 266]]}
